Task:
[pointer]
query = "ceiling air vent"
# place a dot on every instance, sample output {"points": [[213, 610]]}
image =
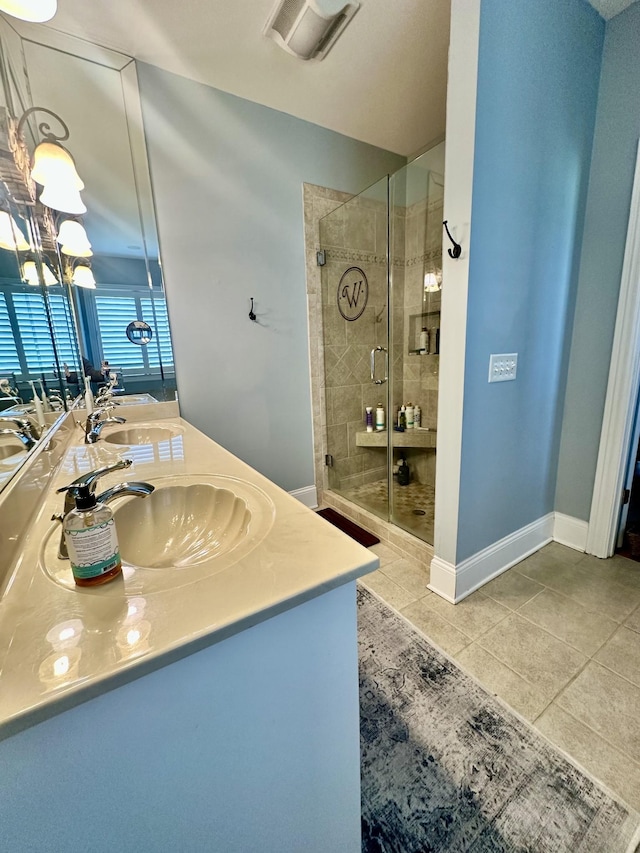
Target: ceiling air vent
{"points": [[309, 28]]}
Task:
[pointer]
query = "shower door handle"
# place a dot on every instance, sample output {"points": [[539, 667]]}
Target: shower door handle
{"points": [[373, 365]]}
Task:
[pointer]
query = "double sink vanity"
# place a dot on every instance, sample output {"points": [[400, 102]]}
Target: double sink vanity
{"points": [[205, 700]]}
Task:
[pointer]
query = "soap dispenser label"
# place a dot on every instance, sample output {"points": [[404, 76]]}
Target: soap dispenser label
{"points": [[94, 550]]}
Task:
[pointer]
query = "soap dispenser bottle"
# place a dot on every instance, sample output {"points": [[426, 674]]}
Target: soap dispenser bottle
{"points": [[404, 475], [92, 543]]}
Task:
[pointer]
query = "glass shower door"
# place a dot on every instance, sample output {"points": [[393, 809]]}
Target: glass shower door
{"points": [[354, 239], [416, 195]]}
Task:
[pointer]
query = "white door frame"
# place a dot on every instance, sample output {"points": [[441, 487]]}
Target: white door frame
{"points": [[622, 393]]}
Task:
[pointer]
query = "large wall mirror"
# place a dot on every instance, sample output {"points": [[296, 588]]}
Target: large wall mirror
{"points": [[81, 291]]}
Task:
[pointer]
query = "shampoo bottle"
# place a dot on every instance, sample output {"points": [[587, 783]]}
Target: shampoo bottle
{"points": [[424, 341], [369, 418], [380, 417], [92, 543], [409, 415], [417, 417]]}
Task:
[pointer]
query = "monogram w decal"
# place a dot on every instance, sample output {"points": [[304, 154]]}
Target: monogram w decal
{"points": [[353, 293]]}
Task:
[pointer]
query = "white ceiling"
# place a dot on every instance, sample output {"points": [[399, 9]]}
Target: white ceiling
{"points": [[384, 82], [609, 8]]}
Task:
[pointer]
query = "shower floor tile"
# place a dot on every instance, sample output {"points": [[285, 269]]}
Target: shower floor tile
{"points": [[413, 505]]}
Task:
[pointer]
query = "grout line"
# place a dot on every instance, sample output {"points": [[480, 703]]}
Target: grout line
{"points": [[597, 734], [618, 674]]}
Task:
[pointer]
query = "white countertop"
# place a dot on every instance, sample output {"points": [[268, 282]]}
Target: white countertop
{"points": [[61, 645]]}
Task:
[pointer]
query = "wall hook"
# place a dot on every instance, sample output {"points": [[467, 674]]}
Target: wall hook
{"points": [[252, 315], [457, 248]]}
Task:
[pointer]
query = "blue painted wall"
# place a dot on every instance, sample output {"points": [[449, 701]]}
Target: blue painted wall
{"points": [[538, 75], [227, 177], [614, 156]]}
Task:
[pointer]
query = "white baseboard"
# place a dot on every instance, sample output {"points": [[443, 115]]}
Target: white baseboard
{"points": [[570, 531], [457, 582], [307, 495]]}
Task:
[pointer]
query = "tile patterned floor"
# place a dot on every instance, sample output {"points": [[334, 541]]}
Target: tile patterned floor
{"points": [[557, 637], [406, 500]]}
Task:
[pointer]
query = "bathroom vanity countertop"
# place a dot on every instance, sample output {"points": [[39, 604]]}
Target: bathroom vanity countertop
{"points": [[61, 645]]}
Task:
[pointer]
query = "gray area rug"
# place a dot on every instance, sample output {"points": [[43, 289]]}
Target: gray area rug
{"points": [[446, 767]]}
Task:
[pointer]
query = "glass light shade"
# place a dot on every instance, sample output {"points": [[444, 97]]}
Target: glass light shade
{"points": [[53, 164], [431, 283], [62, 197], [11, 237], [37, 11], [30, 274], [73, 239], [83, 276]]}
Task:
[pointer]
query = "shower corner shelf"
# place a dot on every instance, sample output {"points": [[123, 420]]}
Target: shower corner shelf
{"points": [[408, 438]]}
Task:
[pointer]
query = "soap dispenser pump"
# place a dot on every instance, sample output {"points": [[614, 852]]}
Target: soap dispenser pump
{"points": [[91, 539]]}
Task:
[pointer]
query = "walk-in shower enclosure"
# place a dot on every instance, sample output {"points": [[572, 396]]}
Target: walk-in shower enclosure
{"points": [[381, 279]]}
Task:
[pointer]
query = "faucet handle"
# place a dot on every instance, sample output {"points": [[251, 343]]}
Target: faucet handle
{"points": [[92, 477]]}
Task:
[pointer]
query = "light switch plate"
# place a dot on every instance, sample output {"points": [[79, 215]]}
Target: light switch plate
{"points": [[503, 367]]}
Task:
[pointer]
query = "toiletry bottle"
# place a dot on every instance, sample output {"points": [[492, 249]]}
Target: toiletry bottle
{"points": [[424, 341], [380, 417], [404, 475], [409, 414], [92, 543], [37, 404], [417, 416], [369, 418], [402, 421], [88, 396], [437, 341]]}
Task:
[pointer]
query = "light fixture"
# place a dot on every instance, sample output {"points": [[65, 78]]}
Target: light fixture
{"points": [[30, 274], [432, 282], [308, 28], [11, 236], [73, 239], [82, 275], [53, 166], [36, 11]]}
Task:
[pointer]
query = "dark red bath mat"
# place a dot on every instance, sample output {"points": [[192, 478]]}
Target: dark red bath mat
{"points": [[349, 527]]}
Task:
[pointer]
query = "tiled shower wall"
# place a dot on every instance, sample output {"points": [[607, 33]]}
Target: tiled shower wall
{"points": [[356, 235]]}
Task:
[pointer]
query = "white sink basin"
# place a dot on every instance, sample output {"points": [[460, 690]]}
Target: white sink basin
{"points": [[11, 450], [134, 399], [139, 434], [181, 525], [192, 526]]}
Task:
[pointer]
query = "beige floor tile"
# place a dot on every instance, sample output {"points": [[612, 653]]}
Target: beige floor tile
{"points": [[391, 592], [473, 616], [619, 569], [408, 575], [564, 554], [387, 555], [511, 589], [503, 682], [592, 591], [542, 660], [435, 627], [622, 655], [608, 704], [633, 621], [563, 617], [609, 765]]}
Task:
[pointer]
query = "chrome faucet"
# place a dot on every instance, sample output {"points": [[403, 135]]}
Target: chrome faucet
{"points": [[26, 438], [94, 424], [25, 425], [91, 479]]}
